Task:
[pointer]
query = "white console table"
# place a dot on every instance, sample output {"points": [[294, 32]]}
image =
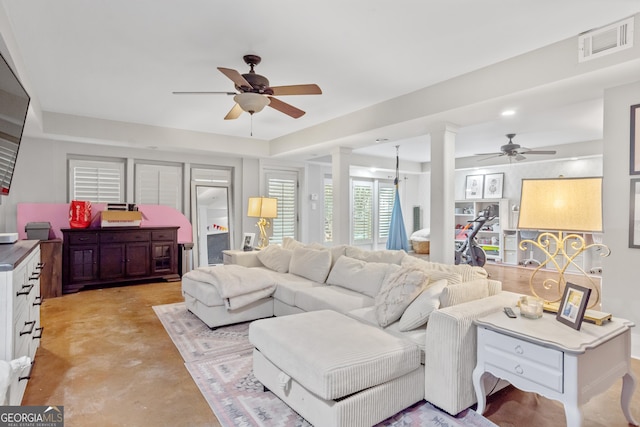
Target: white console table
{"points": [[547, 357]]}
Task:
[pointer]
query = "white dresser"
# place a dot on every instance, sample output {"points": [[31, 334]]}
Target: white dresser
{"points": [[20, 300], [547, 357]]}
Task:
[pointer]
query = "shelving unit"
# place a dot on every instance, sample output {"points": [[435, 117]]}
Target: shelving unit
{"points": [[490, 237]]}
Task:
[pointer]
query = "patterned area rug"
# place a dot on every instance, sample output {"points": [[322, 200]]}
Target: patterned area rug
{"points": [[220, 362]]}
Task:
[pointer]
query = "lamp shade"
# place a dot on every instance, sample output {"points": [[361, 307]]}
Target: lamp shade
{"points": [[262, 207], [251, 102], [561, 204]]}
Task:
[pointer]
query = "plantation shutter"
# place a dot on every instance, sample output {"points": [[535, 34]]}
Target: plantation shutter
{"points": [[159, 185], [386, 194], [328, 210], [8, 154], [284, 187], [362, 215], [96, 181]]}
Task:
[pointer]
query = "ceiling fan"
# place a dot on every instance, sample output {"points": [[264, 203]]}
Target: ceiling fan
{"points": [[254, 92], [514, 151]]}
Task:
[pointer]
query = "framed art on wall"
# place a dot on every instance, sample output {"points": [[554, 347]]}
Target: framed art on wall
{"points": [[634, 168], [573, 305], [473, 187], [493, 184], [634, 214]]}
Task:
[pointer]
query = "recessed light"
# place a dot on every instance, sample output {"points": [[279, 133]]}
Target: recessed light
{"points": [[379, 140], [506, 113]]}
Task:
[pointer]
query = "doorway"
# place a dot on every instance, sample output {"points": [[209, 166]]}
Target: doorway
{"points": [[212, 233]]}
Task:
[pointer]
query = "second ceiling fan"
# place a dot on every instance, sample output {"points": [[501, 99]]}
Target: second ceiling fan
{"points": [[254, 92], [514, 151]]}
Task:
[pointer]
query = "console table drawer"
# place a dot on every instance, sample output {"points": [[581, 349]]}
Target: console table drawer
{"points": [[82, 238], [524, 350], [130, 236]]}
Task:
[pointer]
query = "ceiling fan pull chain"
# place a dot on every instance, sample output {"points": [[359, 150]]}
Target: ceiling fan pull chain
{"points": [[251, 115]]}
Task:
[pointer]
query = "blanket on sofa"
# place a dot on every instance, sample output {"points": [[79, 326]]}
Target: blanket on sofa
{"points": [[237, 286]]}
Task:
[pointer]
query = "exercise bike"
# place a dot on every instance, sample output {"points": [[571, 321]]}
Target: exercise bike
{"points": [[469, 251]]}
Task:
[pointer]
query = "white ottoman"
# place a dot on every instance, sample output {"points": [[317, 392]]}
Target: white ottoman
{"points": [[334, 370]]}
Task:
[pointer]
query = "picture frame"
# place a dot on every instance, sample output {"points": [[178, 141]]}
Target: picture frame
{"points": [[473, 186], [573, 305], [493, 185], [634, 167], [247, 241], [634, 214]]}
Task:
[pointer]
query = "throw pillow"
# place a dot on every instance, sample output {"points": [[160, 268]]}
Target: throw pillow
{"points": [[418, 312], [359, 276], [387, 256], [464, 292], [291, 243], [467, 272], [398, 290], [275, 258], [312, 264]]}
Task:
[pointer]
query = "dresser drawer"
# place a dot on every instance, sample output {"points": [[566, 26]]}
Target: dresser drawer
{"points": [[163, 235], [82, 238], [123, 237]]}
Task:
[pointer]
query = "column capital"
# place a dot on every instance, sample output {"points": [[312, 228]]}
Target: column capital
{"points": [[442, 127]]}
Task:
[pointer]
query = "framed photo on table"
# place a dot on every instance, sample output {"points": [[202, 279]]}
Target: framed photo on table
{"points": [[493, 184], [634, 168], [247, 241], [473, 187], [573, 305]]}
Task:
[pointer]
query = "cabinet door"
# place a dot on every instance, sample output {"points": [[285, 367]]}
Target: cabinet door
{"points": [[137, 260], [163, 258], [83, 263], [112, 261]]}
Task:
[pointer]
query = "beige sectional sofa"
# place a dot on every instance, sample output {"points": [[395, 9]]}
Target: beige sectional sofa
{"points": [[436, 312]]}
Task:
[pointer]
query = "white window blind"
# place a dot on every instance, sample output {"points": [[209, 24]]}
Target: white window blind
{"points": [[386, 195], [284, 187], [96, 181], [158, 185], [8, 154], [362, 212], [328, 210]]}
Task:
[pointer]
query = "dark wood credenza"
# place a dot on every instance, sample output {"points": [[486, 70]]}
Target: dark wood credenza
{"points": [[103, 256]]}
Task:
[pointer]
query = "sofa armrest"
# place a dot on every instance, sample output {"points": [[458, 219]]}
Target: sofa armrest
{"points": [[246, 259], [450, 351]]}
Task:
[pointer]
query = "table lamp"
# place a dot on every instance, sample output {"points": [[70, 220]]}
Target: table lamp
{"points": [[560, 205], [263, 208]]}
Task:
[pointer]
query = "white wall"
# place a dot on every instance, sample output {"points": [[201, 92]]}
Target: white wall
{"points": [[621, 287]]}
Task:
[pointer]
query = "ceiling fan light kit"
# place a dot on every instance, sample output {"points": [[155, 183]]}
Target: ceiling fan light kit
{"points": [[251, 102]]}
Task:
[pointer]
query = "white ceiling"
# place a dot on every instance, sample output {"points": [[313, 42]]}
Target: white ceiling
{"points": [[120, 60]]}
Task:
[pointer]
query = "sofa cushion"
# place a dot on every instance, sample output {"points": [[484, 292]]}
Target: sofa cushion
{"points": [[418, 312], [467, 272], [289, 284], [331, 297], [203, 292], [314, 264], [357, 275], [291, 243], [464, 292], [275, 258], [386, 256], [397, 292]]}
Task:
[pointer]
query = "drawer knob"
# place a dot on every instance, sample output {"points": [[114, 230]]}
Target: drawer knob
{"points": [[519, 349], [519, 370]]}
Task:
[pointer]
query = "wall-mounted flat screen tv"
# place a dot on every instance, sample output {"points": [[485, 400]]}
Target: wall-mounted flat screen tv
{"points": [[14, 103]]}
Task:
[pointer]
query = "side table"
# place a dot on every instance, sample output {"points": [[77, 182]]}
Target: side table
{"points": [[547, 357]]}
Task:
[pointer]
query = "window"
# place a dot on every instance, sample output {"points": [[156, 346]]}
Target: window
{"points": [[284, 187], [362, 212], [159, 185], [98, 181], [386, 195], [328, 210]]}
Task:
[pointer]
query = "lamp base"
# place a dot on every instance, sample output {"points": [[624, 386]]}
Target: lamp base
{"points": [[591, 316]]}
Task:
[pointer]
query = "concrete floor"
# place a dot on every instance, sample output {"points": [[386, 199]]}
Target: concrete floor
{"points": [[107, 359]]}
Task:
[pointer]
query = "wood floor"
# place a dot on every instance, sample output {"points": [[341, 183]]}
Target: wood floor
{"points": [[107, 359]]}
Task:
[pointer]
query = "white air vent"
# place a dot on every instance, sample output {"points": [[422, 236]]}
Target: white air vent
{"points": [[603, 41]]}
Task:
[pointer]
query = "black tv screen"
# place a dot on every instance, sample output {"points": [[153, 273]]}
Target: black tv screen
{"points": [[14, 103]]}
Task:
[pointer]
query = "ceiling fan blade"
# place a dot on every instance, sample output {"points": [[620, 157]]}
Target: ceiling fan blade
{"points": [[539, 152], [204, 93], [234, 113], [491, 156], [311, 89], [235, 77], [519, 157], [283, 107]]}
